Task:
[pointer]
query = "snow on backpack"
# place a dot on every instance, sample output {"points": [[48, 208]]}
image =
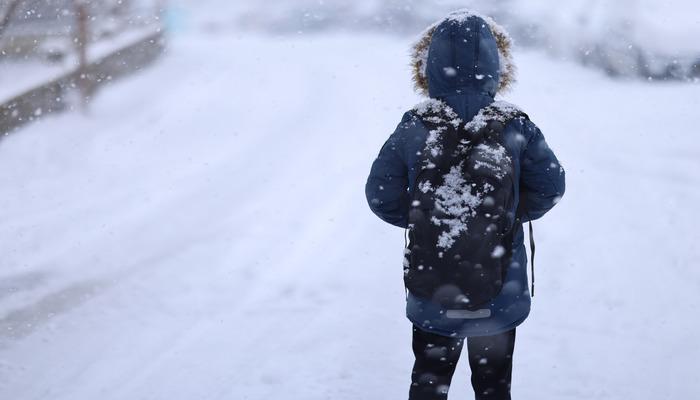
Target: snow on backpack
{"points": [[461, 217]]}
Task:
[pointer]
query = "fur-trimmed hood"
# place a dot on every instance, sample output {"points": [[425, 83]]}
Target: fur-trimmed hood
{"points": [[463, 52]]}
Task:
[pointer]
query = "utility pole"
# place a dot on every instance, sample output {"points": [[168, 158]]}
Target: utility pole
{"points": [[81, 43]]}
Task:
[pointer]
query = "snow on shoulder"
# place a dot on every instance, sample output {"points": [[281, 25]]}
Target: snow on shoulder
{"points": [[440, 114]]}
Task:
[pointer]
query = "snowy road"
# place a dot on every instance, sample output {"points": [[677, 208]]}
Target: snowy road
{"points": [[203, 233]]}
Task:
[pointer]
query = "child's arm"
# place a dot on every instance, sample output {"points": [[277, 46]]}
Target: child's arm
{"points": [[542, 178], [387, 185]]}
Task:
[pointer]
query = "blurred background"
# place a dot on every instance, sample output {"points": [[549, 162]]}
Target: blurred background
{"points": [[182, 211], [44, 39]]}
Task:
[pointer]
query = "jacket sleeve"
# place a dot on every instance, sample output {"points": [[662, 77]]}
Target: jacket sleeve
{"points": [[387, 186], [542, 178]]}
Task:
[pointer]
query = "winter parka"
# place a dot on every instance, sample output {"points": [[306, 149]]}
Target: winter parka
{"points": [[464, 61]]}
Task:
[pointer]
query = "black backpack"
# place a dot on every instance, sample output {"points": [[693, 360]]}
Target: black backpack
{"points": [[461, 219]]}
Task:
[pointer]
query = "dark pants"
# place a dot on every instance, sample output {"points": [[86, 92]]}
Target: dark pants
{"points": [[490, 359]]}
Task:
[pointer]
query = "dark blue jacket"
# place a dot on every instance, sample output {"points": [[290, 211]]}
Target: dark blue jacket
{"points": [[463, 71]]}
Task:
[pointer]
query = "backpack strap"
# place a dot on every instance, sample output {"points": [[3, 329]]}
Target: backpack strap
{"points": [[532, 259], [518, 215]]}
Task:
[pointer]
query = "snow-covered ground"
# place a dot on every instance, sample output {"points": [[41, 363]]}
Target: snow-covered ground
{"points": [[203, 233]]}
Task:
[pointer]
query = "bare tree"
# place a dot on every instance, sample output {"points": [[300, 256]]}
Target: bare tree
{"points": [[6, 16]]}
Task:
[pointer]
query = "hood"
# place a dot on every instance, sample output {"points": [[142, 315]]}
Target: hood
{"points": [[465, 60]]}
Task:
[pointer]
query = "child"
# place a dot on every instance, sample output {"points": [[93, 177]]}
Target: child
{"points": [[462, 172]]}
